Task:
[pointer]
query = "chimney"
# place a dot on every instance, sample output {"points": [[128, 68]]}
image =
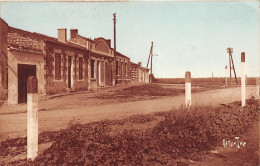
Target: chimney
{"points": [[140, 64], [73, 33], [62, 35]]}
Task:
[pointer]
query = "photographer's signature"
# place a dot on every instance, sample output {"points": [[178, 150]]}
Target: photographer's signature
{"points": [[233, 143]]}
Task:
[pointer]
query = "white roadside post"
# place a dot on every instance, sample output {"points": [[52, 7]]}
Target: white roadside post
{"points": [[257, 87], [243, 80], [32, 117], [226, 68], [188, 89]]}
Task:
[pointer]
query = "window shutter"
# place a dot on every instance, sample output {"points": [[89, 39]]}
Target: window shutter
{"points": [[80, 68], [57, 66]]}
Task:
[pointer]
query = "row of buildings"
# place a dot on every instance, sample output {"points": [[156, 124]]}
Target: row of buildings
{"points": [[60, 64]]}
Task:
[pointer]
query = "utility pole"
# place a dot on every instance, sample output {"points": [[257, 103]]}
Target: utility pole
{"points": [[151, 51], [230, 51], [114, 31], [150, 56], [114, 19], [152, 60]]}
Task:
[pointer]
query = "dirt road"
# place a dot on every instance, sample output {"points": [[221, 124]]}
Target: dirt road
{"points": [[14, 125]]}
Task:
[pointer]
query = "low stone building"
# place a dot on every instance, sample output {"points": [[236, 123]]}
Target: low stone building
{"points": [[139, 73], [101, 59], [144, 75], [3, 60], [122, 69], [60, 65]]}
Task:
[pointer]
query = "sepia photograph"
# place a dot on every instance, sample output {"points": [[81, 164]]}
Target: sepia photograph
{"points": [[130, 83]]}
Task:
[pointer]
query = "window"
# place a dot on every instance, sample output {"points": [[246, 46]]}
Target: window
{"points": [[126, 68], [122, 68], [117, 71], [92, 68], [80, 68], [57, 66]]}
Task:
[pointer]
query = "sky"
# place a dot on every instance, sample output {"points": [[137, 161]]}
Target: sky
{"points": [[187, 36]]}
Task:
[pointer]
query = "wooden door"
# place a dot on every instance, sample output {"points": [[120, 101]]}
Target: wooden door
{"points": [[24, 71], [106, 74], [69, 72], [98, 73]]}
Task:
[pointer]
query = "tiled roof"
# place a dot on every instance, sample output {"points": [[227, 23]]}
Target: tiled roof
{"points": [[86, 38], [33, 35], [132, 63], [119, 54], [46, 38], [69, 44]]}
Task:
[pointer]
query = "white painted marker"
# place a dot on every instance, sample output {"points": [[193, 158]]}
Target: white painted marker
{"points": [[32, 117], [257, 87], [243, 80], [226, 68], [188, 89]]}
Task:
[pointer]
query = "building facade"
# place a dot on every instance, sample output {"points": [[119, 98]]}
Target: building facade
{"points": [[139, 73], [123, 74], [3, 60], [60, 65], [101, 59]]}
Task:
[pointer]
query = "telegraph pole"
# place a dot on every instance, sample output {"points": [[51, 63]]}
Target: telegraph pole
{"points": [[152, 60], [230, 51], [114, 19], [114, 31], [150, 56]]}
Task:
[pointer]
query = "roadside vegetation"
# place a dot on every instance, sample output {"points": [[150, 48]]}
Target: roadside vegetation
{"points": [[176, 137], [217, 81], [141, 92], [148, 91]]}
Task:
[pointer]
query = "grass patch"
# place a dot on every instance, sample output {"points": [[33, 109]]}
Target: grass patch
{"points": [[146, 90]]}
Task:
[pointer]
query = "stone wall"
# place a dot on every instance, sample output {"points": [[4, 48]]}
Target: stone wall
{"points": [[123, 64], [60, 86], [134, 68], [3, 60], [102, 71], [15, 58]]}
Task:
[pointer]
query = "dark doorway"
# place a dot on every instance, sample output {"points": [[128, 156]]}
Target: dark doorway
{"points": [[24, 71], [106, 74], [111, 77], [69, 72], [98, 73], [111, 74]]}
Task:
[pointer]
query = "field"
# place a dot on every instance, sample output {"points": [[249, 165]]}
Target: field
{"points": [[216, 81]]}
